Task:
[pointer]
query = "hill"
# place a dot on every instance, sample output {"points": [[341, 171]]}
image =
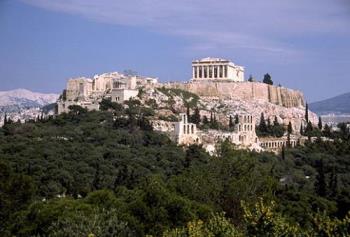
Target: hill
{"points": [[336, 105], [106, 173], [22, 104]]}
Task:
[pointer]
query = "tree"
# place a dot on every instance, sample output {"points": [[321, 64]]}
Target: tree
{"points": [[290, 128], [307, 112], [236, 119], [309, 128], [277, 128], [250, 79], [262, 125], [205, 120], [107, 104], [267, 79], [320, 184], [230, 122], [196, 117], [5, 119], [76, 109], [188, 112], [283, 152], [333, 183], [301, 130], [320, 123], [327, 131]]}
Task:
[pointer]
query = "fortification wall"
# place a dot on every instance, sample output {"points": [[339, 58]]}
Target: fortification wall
{"points": [[244, 91]]}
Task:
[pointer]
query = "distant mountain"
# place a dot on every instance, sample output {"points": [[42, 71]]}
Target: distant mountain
{"points": [[336, 105], [19, 99]]}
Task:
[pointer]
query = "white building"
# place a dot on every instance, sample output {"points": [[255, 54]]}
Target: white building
{"points": [[185, 132], [88, 92], [216, 69], [123, 89]]}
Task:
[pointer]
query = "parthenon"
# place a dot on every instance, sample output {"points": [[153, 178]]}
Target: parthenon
{"points": [[216, 69]]}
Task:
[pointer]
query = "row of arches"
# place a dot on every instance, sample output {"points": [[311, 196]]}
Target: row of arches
{"points": [[245, 128], [277, 144], [188, 128]]}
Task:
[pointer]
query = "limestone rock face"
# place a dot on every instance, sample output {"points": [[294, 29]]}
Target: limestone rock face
{"points": [[226, 107], [246, 91], [254, 98]]}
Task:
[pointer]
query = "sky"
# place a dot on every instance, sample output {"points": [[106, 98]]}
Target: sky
{"points": [[302, 44]]}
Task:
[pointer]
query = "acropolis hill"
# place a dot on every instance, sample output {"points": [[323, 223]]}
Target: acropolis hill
{"points": [[217, 87]]}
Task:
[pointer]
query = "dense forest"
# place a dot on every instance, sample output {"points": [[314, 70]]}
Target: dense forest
{"points": [[107, 173]]}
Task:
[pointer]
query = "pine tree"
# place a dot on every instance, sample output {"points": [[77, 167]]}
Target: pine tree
{"points": [[308, 128], [205, 120], [230, 122], [188, 113], [196, 118], [333, 183], [307, 113], [262, 125], [320, 123], [288, 141], [236, 119], [277, 128], [97, 177], [250, 79], [290, 128], [327, 131], [283, 152], [267, 79], [301, 130], [320, 184], [5, 119]]}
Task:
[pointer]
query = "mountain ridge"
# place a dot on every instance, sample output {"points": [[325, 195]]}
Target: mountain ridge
{"points": [[23, 98], [339, 104]]}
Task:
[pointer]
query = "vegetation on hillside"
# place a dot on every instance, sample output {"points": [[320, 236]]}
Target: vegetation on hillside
{"points": [[189, 99], [108, 174]]}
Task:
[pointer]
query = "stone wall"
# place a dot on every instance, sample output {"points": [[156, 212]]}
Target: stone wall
{"points": [[244, 91]]}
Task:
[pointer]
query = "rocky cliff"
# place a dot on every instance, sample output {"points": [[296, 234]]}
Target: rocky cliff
{"points": [[227, 98], [245, 91]]}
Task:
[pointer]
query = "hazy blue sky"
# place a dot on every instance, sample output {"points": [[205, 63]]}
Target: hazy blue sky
{"points": [[303, 44]]}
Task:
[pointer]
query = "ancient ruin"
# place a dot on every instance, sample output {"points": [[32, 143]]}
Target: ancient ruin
{"points": [[217, 86]]}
